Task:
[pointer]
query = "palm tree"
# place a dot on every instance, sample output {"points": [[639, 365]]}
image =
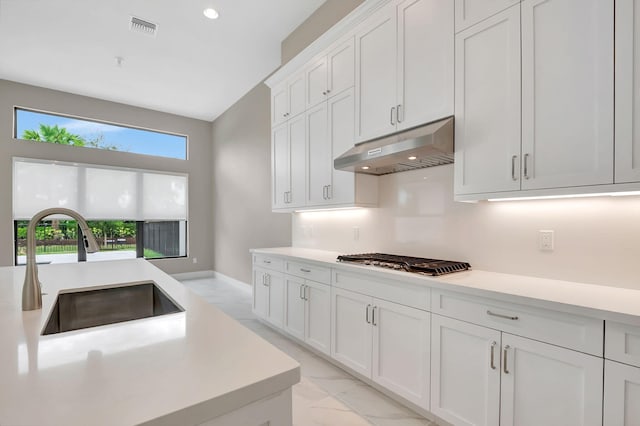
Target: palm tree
{"points": [[53, 134]]}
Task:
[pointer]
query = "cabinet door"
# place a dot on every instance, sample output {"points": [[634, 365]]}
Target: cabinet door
{"points": [[318, 316], [279, 104], [280, 167], [465, 372], [294, 306], [316, 75], [567, 93], [298, 157], [621, 394], [275, 309], [351, 326], [627, 78], [487, 124], [401, 350], [296, 90], [341, 110], [319, 160], [547, 385], [260, 303], [376, 75], [341, 67], [469, 12], [425, 62]]}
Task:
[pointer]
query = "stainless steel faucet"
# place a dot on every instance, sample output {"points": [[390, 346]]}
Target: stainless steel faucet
{"points": [[32, 290]]}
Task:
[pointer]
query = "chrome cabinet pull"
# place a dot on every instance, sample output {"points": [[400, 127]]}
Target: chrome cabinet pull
{"points": [[493, 347], [328, 192], [509, 317], [393, 109], [324, 192], [263, 279], [328, 91], [513, 167], [526, 166], [300, 292], [284, 195], [398, 115], [305, 270], [504, 361], [324, 93], [373, 316], [305, 292], [266, 261], [366, 316]]}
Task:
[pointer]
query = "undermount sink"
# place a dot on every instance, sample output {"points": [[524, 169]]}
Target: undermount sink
{"points": [[91, 308]]}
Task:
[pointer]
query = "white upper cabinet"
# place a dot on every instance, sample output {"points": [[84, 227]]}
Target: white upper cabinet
{"points": [[564, 140], [567, 93], [404, 67], [280, 167], [319, 159], [288, 99], [627, 78], [279, 104], [288, 156], [487, 120], [470, 12], [425, 62], [375, 47], [330, 74], [341, 67]]}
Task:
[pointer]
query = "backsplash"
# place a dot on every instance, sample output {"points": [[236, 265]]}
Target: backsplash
{"points": [[597, 240]]}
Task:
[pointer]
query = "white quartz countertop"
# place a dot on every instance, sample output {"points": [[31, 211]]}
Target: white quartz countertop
{"points": [[176, 369], [606, 302]]}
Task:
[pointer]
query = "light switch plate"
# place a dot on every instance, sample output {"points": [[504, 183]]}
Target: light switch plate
{"points": [[545, 240]]}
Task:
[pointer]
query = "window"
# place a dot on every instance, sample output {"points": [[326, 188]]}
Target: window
{"points": [[133, 213], [63, 130]]}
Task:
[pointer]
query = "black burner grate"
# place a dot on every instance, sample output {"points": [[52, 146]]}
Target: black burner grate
{"points": [[410, 264]]}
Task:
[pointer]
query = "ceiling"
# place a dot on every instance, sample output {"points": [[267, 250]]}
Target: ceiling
{"points": [[194, 66]]}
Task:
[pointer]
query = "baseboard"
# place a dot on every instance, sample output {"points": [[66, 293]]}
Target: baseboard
{"points": [[222, 276], [193, 275]]}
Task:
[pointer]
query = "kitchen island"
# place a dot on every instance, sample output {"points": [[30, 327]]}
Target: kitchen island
{"points": [[193, 367]]}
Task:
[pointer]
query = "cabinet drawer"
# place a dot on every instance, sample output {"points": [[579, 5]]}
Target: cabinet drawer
{"points": [[558, 328], [416, 296], [269, 262], [308, 271], [622, 343]]}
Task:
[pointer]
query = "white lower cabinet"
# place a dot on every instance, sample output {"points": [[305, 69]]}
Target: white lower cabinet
{"points": [[268, 295], [465, 372], [621, 394], [547, 385], [384, 341], [482, 376], [308, 312]]}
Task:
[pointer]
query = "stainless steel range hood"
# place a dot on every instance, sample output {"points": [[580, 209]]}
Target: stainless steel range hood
{"points": [[425, 146]]}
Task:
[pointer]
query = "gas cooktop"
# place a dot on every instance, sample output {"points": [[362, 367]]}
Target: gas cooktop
{"points": [[410, 264]]}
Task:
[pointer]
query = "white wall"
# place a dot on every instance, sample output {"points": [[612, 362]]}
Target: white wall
{"points": [[597, 240]]}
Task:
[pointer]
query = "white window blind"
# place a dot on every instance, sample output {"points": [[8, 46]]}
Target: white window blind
{"points": [[97, 192]]}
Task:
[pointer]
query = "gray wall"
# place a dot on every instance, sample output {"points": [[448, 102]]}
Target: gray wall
{"points": [[317, 24], [198, 165], [242, 217]]}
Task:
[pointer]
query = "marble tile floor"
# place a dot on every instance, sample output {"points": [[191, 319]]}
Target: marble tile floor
{"points": [[326, 395]]}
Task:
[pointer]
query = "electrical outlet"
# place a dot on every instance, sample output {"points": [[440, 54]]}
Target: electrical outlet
{"points": [[356, 233], [545, 240], [195, 260]]}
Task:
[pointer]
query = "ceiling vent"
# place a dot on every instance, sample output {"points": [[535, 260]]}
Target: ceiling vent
{"points": [[142, 26]]}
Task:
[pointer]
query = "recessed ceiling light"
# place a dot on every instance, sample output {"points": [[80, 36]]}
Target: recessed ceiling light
{"points": [[412, 157], [365, 167], [211, 13]]}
